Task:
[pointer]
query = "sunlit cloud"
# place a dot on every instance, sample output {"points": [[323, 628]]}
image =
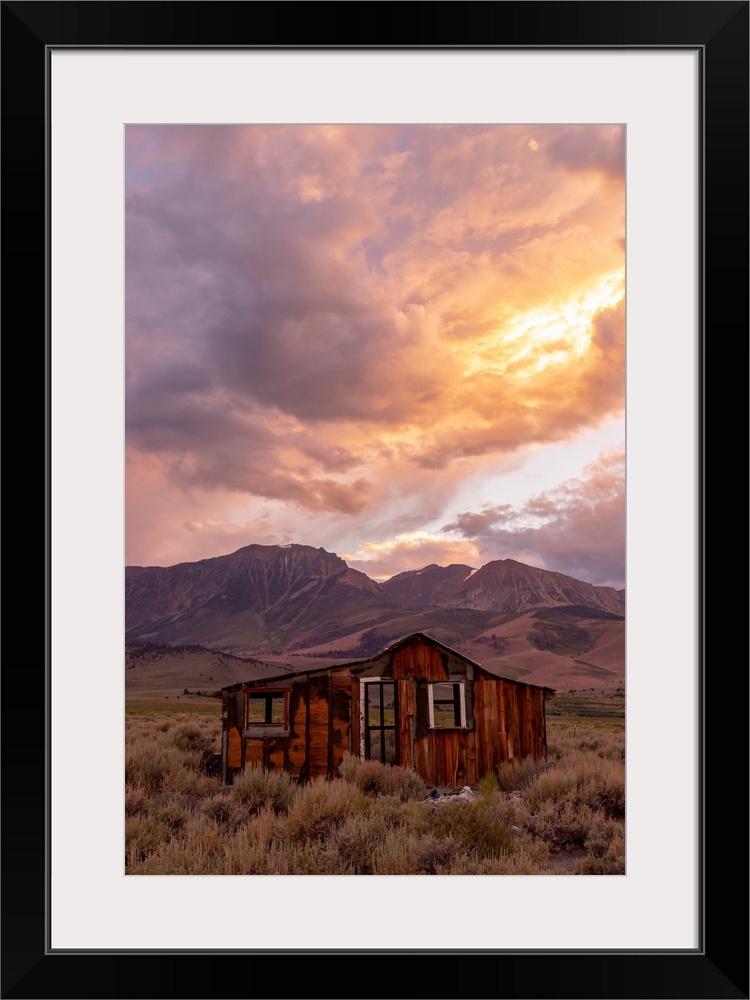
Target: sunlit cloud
{"points": [[578, 528], [411, 550], [330, 327]]}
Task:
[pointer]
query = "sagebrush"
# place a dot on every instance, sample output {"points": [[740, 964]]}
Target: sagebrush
{"points": [[563, 815]]}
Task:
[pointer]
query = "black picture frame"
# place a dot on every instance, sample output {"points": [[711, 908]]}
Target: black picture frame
{"points": [[719, 967]]}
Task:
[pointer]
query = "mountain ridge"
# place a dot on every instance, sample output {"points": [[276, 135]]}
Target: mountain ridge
{"points": [[509, 585], [297, 606], [265, 596]]}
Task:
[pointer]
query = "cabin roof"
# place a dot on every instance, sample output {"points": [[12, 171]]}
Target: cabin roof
{"points": [[376, 656]]}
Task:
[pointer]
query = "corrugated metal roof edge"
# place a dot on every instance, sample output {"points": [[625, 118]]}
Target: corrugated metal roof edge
{"points": [[370, 659]]}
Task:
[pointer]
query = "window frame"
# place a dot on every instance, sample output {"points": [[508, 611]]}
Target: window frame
{"points": [[265, 693], [363, 721], [459, 682]]}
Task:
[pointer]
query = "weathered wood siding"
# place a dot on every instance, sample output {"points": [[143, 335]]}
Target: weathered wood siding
{"points": [[420, 661], [232, 760], [505, 720], [447, 757], [405, 732], [297, 740], [510, 721], [317, 726], [317, 734], [341, 718]]}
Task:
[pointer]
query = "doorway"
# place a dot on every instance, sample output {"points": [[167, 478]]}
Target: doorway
{"points": [[380, 720]]}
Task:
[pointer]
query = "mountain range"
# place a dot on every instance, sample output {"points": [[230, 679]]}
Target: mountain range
{"points": [[297, 606]]}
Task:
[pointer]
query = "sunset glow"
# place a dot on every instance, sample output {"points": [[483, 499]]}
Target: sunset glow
{"points": [[404, 344]]}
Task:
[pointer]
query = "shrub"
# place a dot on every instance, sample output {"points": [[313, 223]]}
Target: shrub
{"points": [[372, 820], [396, 854], [601, 835], [392, 811], [185, 737], [248, 850], [356, 842], [560, 824], [434, 855], [225, 810], [488, 785], [147, 764], [604, 743], [374, 778], [555, 785], [318, 808], [186, 779], [172, 814], [521, 862], [307, 859], [143, 835], [611, 862], [582, 780], [512, 775], [137, 800], [256, 786], [197, 851], [475, 825]]}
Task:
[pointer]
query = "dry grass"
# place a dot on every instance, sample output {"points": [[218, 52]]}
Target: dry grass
{"points": [[373, 820]]}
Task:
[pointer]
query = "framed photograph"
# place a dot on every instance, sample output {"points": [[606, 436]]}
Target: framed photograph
{"points": [[664, 83]]}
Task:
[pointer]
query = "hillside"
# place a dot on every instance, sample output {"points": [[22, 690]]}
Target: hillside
{"points": [[152, 669], [419, 588], [262, 597], [277, 608], [507, 585]]}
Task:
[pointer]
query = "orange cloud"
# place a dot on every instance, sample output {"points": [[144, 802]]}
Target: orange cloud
{"points": [[382, 560], [330, 318]]}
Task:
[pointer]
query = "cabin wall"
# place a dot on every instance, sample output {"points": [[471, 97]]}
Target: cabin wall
{"points": [[317, 732], [510, 722], [505, 720], [447, 757], [419, 661], [441, 756], [232, 742]]}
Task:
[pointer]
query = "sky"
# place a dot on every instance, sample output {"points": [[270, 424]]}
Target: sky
{"points": [[402, 343]]}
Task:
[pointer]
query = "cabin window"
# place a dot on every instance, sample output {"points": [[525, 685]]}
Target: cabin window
{"points": [[447, 703], [265, 708], [378, 720]]}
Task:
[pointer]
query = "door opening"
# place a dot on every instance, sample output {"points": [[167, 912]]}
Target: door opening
{"points": [[380, 721]]}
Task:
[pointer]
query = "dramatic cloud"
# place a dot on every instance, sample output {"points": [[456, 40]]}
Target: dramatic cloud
{"points": [[330, 326], [577, 528], [582, 148]]}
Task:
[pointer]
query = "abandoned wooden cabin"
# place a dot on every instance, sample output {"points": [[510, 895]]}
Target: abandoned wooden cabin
{"points": [[417, 703]]}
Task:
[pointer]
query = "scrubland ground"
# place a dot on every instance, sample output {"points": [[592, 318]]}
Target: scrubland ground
{"points": [[563, 816]]}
